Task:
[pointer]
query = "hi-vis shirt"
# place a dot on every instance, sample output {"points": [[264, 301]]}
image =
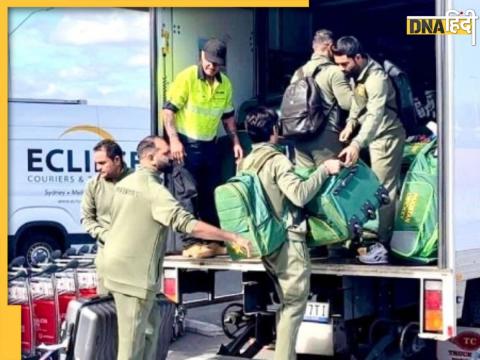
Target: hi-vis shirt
{"points": [[142, 211], [199, 105]]}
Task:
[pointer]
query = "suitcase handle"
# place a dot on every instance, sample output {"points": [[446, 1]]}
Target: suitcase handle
{"points": [[74, 329], [369, 210], [346, 180], [382, 195], [356, 228]]}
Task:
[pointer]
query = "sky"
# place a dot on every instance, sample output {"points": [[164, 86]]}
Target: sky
{"points": [[98, 55]]}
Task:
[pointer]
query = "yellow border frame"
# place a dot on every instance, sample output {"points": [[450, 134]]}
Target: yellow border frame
{"points": [[10, 315]]}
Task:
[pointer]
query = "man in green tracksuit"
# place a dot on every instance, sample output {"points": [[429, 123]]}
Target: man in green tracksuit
{"points": [[290, 265], [337, 94], [374, 109], [142, 211], [97, 198]]}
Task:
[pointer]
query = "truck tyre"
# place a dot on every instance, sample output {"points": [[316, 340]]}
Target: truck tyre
{"points": [[37, 244]]}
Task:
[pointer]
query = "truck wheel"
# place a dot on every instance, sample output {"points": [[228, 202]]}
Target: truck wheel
{"points": [[37, 245]]}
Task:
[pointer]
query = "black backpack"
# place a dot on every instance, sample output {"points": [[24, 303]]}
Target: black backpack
{"points": [[403, 96], [302, 110]]}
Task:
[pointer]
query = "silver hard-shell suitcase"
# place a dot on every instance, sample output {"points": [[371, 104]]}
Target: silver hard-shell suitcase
{"points": [[91, 327]]}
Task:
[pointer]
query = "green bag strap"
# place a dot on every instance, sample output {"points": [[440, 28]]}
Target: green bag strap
{"points": [[265, 153], [425, 156]]}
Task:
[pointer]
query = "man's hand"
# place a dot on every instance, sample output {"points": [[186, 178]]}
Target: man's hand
{"points": [[177, 150], [237, 151], [347, 132], [243, 244], [333, 166], [351, 154]]}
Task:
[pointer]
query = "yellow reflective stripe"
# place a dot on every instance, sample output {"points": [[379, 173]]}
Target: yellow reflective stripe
{"points": [[203, 111], [197, 126]]}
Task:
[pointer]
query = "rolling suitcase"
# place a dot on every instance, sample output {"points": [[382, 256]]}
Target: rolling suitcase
{"points": [[344, 204], [91, 328], [167, 309]]}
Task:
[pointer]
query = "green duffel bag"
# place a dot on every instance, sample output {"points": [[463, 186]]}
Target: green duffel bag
{"points": [[411, 150], [344, 204], [243, 208], [415, 236], [321, 232]]}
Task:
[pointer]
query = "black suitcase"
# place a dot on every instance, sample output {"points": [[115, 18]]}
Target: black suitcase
{"points": [[91, 328]]}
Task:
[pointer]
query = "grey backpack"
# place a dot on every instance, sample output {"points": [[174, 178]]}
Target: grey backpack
{"points": [[303, 112]]}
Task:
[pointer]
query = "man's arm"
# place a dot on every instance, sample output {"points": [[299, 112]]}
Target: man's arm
{"points": [[88, 214], [176, 147], [341, 89], [297, 190], [168, 211], [377, 90], [231, 129], [168, 116], [203, 230], [177, 98], [228, 120]]}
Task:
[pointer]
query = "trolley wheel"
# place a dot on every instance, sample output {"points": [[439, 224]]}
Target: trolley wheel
{"points": [[233, 320]]}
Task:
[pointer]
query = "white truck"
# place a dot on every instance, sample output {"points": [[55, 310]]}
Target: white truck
{"points": [[51, 158], [370, 311], [367, 311]]}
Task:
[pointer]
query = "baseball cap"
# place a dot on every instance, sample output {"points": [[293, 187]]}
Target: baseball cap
{"points": [[215, 51]]}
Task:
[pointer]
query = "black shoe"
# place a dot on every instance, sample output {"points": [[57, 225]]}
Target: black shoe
{"points": [[319, 252]]}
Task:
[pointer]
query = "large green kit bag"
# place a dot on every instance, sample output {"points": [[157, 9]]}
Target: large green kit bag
{"points": [[344, 204], [415, 235], [243, 208]]}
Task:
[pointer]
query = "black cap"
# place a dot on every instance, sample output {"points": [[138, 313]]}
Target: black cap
{"points": [[215, 51]]}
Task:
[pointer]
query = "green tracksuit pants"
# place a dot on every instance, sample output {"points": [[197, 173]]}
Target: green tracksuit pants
{"points": [[138, 325], [386, 155], [290, 268]]}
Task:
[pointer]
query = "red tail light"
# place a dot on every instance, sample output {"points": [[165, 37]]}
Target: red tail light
{"points": [[170, 285], [433, 306]]}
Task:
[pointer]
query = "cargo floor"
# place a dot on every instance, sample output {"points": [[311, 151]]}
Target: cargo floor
{"points": [[332, 266]]}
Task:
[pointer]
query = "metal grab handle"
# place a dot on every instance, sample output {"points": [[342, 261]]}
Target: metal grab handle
{"points": [[382, 195]]}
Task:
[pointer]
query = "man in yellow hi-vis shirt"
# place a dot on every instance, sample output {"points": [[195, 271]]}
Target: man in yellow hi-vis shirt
{"points": [[198, 99]]}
